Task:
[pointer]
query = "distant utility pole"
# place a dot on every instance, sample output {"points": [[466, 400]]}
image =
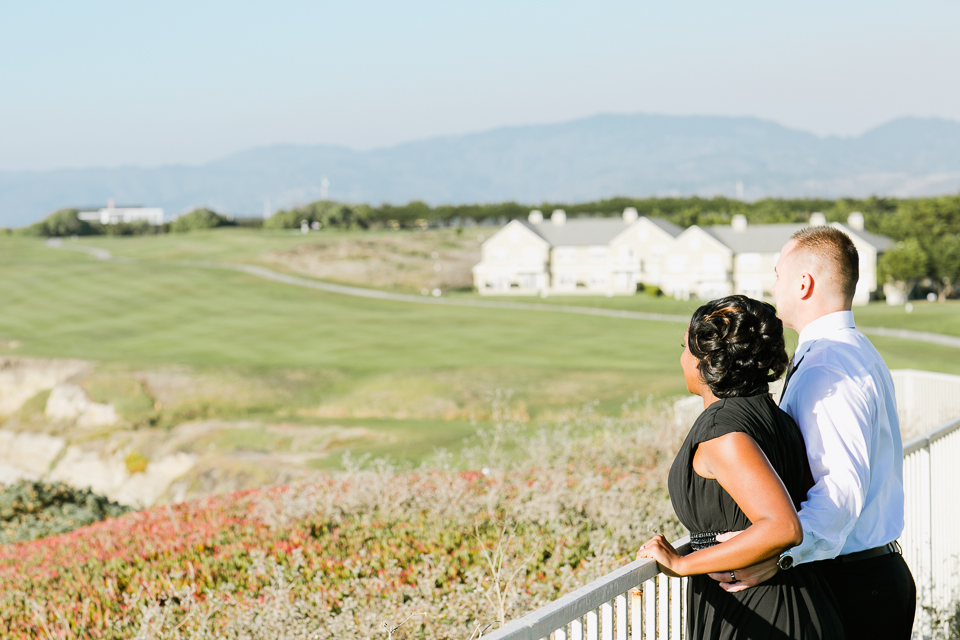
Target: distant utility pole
{"points": [[324, 186]]}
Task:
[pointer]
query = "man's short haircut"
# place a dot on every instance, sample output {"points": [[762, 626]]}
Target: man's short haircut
{"points": [[836, 249]]}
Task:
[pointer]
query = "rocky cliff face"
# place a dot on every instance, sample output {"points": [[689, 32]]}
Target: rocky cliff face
{"points": [[83, 450]]}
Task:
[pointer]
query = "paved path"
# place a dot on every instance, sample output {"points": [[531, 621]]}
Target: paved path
{"points": [[360, 292]]}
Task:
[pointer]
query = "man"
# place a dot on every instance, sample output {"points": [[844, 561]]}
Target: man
{"points": [[841, 395]]}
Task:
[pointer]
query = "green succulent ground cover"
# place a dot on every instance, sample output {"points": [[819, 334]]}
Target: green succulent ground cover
{"points": [[31, 510]]}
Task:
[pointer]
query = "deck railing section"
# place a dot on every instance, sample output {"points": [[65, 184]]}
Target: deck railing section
{"points": [[925, 400], [635, 602], [931, 535]]}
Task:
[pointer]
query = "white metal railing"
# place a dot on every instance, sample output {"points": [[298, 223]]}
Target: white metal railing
{"points": [[925, 399], [931, 533], [635, 602]]}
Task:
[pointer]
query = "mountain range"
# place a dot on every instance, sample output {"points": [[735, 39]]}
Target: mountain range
{"points": [[590, 158]]}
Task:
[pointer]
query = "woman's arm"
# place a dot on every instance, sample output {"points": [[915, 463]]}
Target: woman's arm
{"points": [[742, 469]]}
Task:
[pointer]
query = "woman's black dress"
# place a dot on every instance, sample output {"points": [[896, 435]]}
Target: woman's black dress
{"points": [[794, 604]]}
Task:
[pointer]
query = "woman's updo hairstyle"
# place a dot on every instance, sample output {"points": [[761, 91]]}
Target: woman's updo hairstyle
{"points": [[739, 343]]}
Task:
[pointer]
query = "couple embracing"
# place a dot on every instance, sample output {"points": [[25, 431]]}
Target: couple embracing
{"points": [[793, 511]]}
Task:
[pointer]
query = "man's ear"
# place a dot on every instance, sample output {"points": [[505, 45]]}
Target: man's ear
{"points": [[807, 284]]}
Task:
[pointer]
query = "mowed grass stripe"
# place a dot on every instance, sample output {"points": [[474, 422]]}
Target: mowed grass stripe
{"points": [[78, 307]]}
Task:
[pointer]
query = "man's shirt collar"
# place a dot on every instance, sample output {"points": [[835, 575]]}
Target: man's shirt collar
{"points": [[822, 326]]}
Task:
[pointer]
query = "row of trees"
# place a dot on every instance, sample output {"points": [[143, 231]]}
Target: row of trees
{"points": [[67, 222]]}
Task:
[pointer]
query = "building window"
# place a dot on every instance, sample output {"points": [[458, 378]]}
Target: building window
{"points": [[748, 261], [566, 254], [528, 281], [712, 263], [531, 255], [598, 253], [677, 263], [566, 281]]}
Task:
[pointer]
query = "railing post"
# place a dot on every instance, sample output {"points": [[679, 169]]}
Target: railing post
{"points": [[636, 614], [925, 579], [621, 613], [649, 610]]}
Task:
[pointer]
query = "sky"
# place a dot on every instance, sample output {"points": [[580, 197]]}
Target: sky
{"points": [[113, 83]]}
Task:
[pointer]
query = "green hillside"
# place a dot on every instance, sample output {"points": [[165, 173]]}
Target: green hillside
{"points": [[413, 375]]}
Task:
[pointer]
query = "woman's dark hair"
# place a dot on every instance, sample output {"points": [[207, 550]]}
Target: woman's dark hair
{"points": [[739, 343]]}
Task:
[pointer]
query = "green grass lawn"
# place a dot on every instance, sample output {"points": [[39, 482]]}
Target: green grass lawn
{"points": [[59, 303], [413, 376]]}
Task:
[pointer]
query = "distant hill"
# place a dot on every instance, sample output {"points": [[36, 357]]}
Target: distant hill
{"points": [[590, 158]]}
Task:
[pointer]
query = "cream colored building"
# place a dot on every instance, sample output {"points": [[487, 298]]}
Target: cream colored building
{"points": [[611, 256], [711, 262], [597, 256]]}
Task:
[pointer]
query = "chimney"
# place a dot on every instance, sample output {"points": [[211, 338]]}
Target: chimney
{"points": [[818, 220], [630, 215], [855, 221], [739, 223], [558, 217], [535, 217]]}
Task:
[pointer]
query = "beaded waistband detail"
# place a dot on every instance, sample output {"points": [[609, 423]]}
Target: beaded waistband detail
{"points": [[704, 539]]}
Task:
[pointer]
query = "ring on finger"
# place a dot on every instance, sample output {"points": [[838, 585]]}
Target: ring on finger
{"points": [[733, 577]]}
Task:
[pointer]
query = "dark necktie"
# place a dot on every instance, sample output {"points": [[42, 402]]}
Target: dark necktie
{"points": [[793, 369]]}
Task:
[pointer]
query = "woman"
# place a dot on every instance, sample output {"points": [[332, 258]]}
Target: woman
{"points": [[743, 466]]}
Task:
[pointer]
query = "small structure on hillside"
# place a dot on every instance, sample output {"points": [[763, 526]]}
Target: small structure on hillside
{"points": [[114, 215]]}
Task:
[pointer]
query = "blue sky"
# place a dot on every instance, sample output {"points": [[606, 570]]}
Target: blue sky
{"points": [[114, 83]]}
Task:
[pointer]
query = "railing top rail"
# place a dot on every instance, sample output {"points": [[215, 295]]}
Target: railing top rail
{"points": [[918, 373], [921, 442], [543, 621]]}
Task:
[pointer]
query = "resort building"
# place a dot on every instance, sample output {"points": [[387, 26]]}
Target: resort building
{"points": [[612, 256]]}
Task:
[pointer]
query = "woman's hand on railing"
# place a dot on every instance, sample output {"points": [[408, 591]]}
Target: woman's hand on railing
{"points": [[659, 549]]}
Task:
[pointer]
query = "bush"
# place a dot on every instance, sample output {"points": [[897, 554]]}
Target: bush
{"points": [[64, 222], [329, 214], [547, 512], [653, 290], [198, 219], [31, 510]]}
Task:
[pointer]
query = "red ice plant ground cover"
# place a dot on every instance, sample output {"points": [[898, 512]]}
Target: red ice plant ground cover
{"points": [[342, 558]]}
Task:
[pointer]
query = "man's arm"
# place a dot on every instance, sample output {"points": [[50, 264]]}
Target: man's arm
{"points": [[836, 420]]}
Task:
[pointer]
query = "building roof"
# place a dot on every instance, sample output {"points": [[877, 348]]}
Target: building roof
{"points": [[673, 229], [770, 238], [579, 232], [759, 238], [883, 243]]}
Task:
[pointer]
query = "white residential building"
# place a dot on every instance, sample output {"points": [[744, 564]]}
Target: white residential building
{"points": [[611, 256], [113, 215], [605, 256], [710, 262]]}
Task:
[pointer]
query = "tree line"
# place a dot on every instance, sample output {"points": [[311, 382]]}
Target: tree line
{"points": [[927, 230]]}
